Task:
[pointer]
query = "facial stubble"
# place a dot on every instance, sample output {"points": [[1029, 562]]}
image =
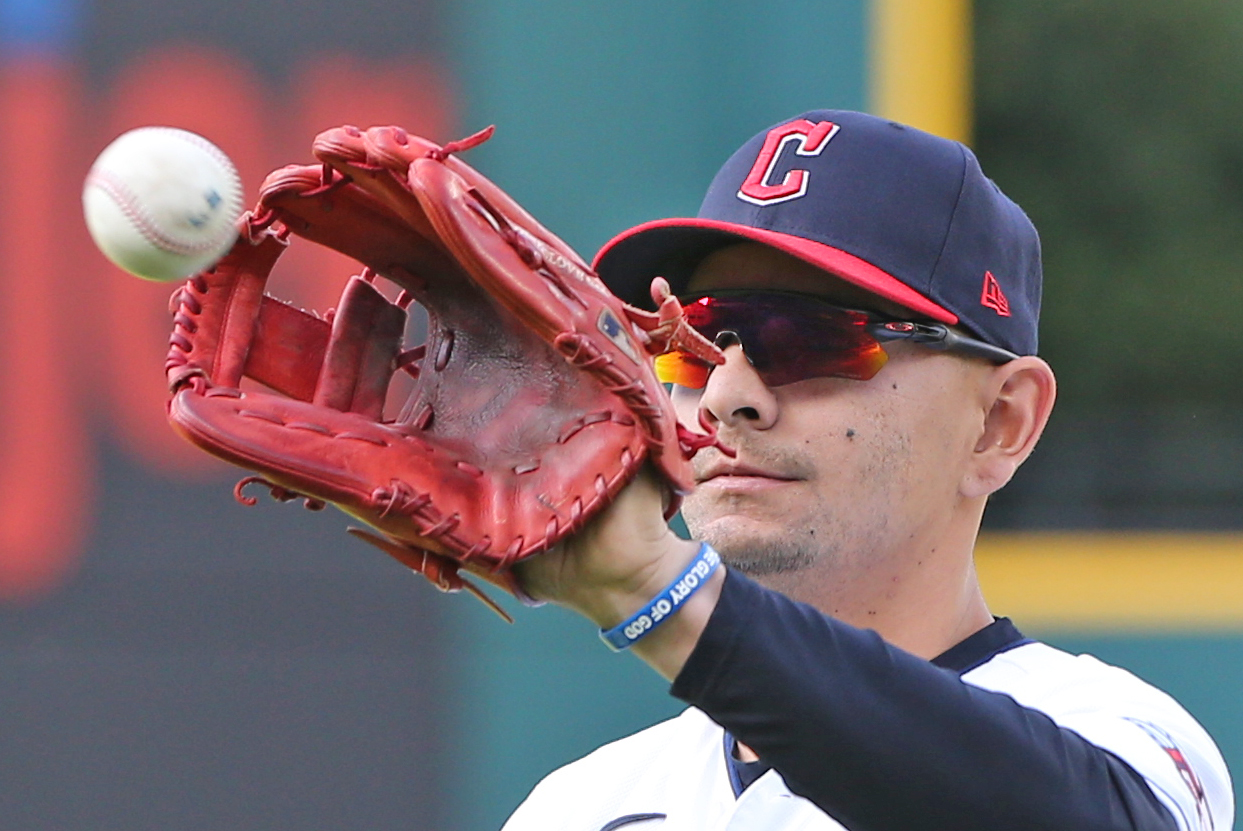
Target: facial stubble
{"points": [[721, 519]]}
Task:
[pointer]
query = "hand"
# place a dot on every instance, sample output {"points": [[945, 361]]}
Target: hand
{"points": [[626, 551], [619, 562]]}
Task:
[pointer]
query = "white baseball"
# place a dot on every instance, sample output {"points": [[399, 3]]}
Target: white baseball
{"points": [[162, 203]]}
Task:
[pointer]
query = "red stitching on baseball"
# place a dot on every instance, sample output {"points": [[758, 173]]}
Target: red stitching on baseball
{"points": [[127, 201]]}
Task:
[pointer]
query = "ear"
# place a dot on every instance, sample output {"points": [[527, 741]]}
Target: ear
{"points": [[1018, 396]]}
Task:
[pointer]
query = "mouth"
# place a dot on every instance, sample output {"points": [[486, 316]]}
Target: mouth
{"points": [[730, 473]]}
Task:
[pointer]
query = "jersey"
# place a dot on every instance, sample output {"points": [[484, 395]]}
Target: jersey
{"points": [[999, 731]]}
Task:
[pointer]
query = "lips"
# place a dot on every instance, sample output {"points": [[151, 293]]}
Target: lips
{"points": [[732, 470]]}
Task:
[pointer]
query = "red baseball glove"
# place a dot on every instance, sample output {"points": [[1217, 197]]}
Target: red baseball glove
{"points": [[534, 400]]}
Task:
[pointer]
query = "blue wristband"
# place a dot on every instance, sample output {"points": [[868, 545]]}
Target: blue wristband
{"points": [[624, 634]]}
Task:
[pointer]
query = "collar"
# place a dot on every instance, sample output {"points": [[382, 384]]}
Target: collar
{"points": [[999, 636]]}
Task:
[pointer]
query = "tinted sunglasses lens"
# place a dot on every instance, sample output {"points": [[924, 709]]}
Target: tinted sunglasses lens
{"points": [[786, 338], [682, 369], [858, 363]]}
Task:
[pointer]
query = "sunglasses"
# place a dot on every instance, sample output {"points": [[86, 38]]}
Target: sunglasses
{"points": [[790, 337]]}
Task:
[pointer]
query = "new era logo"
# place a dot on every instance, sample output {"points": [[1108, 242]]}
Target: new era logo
{"points": [[993, 297]]}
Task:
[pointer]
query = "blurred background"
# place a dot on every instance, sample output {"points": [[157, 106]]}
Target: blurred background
{"points": [[170, 659]]}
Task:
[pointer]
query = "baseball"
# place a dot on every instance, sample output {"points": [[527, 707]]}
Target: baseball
{"points": [[162, 203]]}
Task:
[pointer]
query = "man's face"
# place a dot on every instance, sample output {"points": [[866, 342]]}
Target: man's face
{"points": [[835, 480]]}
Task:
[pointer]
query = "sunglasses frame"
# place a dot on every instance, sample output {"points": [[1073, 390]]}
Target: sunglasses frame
{"points": [[883, 329]]}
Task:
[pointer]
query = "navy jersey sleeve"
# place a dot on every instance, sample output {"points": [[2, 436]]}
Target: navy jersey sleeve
{"points": [[884, 741]]}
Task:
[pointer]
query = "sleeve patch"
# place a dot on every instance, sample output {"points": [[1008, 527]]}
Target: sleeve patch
{"points": [[1166, 742]]}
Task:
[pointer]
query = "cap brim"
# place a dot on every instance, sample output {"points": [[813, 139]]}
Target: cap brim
{"points": [[671, 248]]}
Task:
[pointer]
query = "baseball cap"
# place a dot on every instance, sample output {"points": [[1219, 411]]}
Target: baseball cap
{"points": [[904, 214]]}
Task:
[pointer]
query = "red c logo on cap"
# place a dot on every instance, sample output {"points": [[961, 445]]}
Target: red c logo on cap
{"points": [[811, 139]]}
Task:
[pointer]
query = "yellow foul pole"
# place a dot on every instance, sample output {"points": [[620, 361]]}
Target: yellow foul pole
{"points": [[921, 64]]}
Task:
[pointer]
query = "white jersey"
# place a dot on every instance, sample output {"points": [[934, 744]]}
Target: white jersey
{"points": [[674, 776]]}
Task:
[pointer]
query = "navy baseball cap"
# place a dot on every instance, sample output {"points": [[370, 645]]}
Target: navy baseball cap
{"points": [[899, 212]]}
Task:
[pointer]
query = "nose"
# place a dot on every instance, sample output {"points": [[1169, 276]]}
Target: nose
{"points": [[735, 396]]}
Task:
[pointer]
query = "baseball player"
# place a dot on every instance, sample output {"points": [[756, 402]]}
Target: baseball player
{"points": [[876, 298]]}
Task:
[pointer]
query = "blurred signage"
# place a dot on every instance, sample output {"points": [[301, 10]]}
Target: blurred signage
{"points": [[82, 345]]}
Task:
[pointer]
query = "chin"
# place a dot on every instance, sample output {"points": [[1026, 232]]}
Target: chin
{"points": [[755, 547]]}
